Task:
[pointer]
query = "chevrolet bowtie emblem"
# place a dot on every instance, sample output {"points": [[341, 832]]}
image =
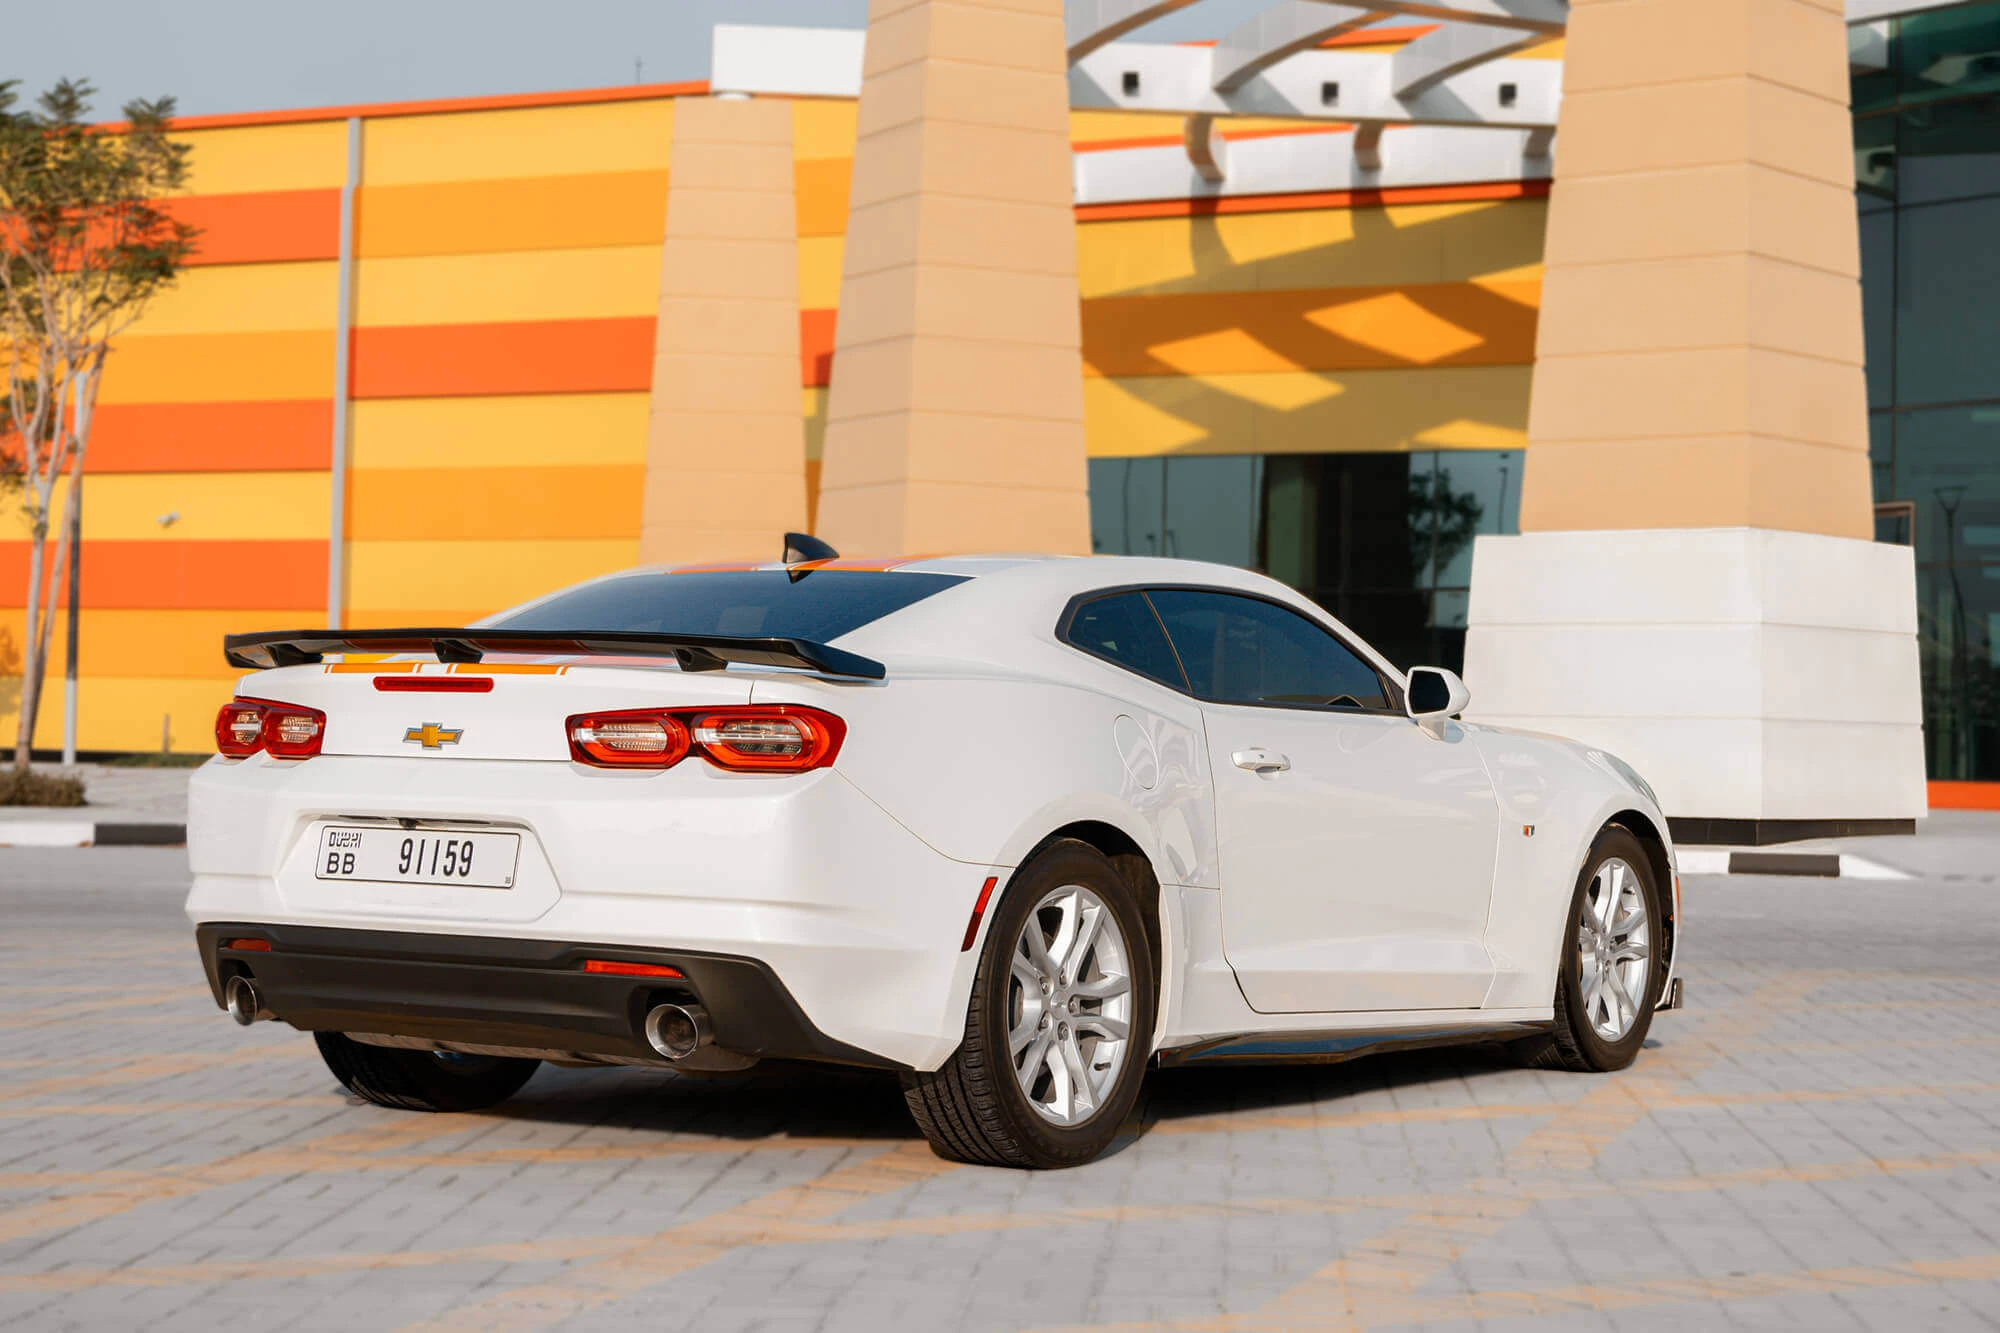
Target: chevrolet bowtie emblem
{"points": [[432, 736]]}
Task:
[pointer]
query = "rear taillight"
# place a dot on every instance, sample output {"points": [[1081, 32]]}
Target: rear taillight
{"points": [[782, 740], [239, 728], [292, 731], [286, 731], [769, 739], [636, 738]]}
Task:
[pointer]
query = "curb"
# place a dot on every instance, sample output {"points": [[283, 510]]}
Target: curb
{"points": [[1822, 865], [81, 833]]}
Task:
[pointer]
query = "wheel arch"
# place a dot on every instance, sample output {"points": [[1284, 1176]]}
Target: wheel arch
{"points": [[1653, 838]]}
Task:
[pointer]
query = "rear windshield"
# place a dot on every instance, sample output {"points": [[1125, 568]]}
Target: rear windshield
{"points": [[821, 606]]}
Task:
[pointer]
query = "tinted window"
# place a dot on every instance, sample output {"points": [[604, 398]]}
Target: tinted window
{"points": [[823, 605], [1241, 650], [1123, 629]]}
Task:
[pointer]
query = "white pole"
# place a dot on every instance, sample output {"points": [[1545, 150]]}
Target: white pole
{"points": [[336, 537]]}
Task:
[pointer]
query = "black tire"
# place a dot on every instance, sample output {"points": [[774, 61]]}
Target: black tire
{"points": [[973, 1108], [422, 1080], [1573, 1043]]}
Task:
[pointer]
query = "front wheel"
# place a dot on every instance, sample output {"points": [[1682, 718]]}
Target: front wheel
{"points": [[1608, 976], [1057, 1031], [422, 1080]]}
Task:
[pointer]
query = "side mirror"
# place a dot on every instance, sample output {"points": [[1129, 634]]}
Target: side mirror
{"points": [[1432, 694]]}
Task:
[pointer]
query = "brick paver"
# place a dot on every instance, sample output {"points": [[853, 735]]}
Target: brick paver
{"points": [[1814, 1144]]}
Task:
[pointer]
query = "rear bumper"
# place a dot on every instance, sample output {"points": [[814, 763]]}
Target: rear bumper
{"points": [[803, 874], [509, 992]]}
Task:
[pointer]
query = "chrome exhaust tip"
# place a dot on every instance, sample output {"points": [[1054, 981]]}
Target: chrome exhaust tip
{"points": [[244, 1001], [677, 1031]]}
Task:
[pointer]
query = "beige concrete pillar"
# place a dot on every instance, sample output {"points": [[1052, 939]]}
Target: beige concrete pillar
{"points": [[725, 443], [1694, 588], [1699, 356], [955, 421]]}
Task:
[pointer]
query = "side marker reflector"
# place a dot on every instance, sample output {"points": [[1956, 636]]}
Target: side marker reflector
{"points": [[612, 968], [978, 912]]}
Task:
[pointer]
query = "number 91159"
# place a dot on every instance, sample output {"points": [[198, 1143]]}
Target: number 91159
{"points": [[482, 860]]}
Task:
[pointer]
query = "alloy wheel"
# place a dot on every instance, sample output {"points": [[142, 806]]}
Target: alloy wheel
{"points": [[1069, 1005], [1614, 948]]}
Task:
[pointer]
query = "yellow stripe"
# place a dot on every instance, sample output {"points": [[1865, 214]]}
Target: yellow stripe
{"points": [[488, 575], [266, 157], [125, 712], [524, 285], [1467, 407], [220, 367], [239, 298], [177, 644], [585, 429], [819, 271], [531, 141], [1333, 247], [207, 506], [823, 128], [511, 503]]}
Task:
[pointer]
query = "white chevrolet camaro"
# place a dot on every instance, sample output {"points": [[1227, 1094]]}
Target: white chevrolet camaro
{"points": [[1013, 827]]}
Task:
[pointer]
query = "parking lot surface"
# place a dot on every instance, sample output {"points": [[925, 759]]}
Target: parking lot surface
{"points": [[1814, 1143]]}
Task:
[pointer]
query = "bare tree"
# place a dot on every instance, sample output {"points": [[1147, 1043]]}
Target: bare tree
{"points": [[84, 244]]}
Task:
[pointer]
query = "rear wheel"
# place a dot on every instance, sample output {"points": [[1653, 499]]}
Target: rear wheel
{"points": [[1607, 979], [422, 1080], [1058, 1026]]}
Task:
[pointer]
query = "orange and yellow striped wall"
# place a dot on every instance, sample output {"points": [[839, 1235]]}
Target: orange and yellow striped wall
{"points": [[505, 273]]}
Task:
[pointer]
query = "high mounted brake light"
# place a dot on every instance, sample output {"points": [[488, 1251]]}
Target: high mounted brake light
{"points": [[434, 684], [776, 738], [285, 731]]}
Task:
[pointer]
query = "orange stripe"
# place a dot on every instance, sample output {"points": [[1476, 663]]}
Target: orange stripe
{"points": [[212, 437], [1364, 36], [819, 191], [638, 92], [1292, 203], [1965, 795], [816, 348], [540, 356], [443, 504], [267, 227], [1340, 328], [531, 213], [191, 575], [1174, 140]]}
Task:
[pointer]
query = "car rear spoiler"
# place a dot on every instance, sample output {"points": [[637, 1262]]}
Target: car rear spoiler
{"points": [[694, 652]]}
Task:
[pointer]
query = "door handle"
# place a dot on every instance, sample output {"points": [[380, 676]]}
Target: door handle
{"points": [[1259, 760]]}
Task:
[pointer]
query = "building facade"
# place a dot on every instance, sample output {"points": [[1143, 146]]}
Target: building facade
{"points": [[1330, 384]]}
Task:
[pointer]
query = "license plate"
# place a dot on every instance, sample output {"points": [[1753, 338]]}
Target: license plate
{"points": [[419, 856]]}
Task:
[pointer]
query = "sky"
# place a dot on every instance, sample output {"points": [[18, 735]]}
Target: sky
{"points": [[218, 56]]}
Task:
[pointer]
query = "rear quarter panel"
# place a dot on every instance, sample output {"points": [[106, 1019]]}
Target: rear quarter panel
{"points": [[984, 765]]}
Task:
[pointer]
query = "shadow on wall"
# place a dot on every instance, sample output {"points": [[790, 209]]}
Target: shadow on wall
{"points": [[1310, 350], [10, 683]]}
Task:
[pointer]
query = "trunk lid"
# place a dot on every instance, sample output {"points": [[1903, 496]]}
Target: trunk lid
{"points": [[489, 710]]}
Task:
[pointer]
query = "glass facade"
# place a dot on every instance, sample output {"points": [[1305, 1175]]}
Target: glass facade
{"points": [[1382, 540], [1927, 161]]}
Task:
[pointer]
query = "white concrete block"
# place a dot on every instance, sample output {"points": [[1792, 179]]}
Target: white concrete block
{"points": [[1748, 674], [47, 833]]}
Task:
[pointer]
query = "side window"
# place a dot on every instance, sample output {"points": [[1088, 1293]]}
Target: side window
{"points": [[1245, 651], [1123, 629]]}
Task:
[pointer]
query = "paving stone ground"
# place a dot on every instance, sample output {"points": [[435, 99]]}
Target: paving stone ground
{"points": [[1814, 1144]]}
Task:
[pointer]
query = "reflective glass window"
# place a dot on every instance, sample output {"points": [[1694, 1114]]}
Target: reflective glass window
{"points": [[1123, 629], [1947, 295], [1242, 650]]}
